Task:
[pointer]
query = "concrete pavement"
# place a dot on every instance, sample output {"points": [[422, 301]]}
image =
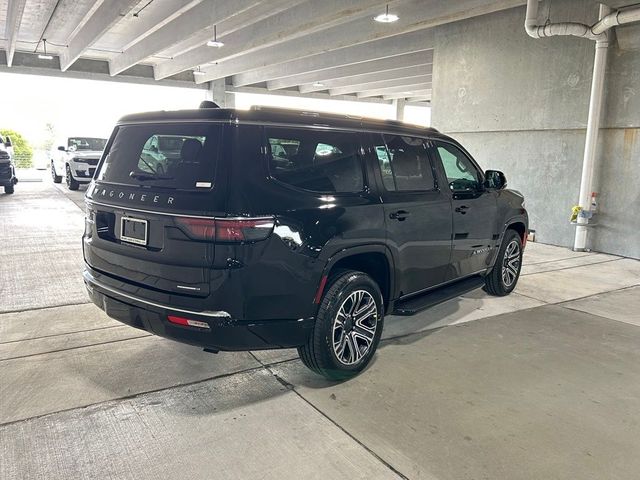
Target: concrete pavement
{"points": [[540, 384]]}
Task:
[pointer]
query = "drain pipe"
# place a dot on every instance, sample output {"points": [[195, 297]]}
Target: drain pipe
{"points": [[591, 140], [597, 32], [552, 29]]}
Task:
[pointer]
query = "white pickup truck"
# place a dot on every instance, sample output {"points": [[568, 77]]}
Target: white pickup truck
{"points": [[76, 159]]}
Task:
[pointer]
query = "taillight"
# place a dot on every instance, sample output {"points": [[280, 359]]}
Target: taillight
{"points": [[198, 228], [243, 230], [232, 230]]}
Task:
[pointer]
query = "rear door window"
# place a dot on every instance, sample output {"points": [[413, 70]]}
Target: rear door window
{"points": [[316, 160], [180, 156], [404, 163]]}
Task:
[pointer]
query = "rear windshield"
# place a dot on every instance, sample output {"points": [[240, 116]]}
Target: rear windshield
{"points": [[180, 156], [87, 143]]}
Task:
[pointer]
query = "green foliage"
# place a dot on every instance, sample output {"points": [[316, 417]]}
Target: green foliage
{"points": [[22, 151]]}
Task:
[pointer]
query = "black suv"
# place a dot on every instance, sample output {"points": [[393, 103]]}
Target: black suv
{"points": [[7, 170], [245, 230]]}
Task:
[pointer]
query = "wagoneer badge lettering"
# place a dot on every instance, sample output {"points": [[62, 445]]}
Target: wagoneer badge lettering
{"points": [[145, 198]]}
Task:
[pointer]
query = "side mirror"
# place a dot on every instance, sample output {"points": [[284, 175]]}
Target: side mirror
{"points": [[495, 179], [7, 142], [62, 149]]}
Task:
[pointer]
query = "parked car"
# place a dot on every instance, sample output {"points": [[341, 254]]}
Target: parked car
{"points": [[75, 159], [7, 169], [276, 229]]}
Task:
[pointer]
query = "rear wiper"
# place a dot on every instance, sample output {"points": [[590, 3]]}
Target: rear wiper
{"points": [[147, 176]]}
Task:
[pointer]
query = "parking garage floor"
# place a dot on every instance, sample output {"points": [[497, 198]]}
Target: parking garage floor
{"points": [[544, 383]]}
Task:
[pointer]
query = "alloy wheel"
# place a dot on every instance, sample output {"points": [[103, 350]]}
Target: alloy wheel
{"points": [[354, 327], [511, 263]]}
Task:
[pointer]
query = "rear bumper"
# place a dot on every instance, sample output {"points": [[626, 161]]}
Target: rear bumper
{"points": [[224, 332]]}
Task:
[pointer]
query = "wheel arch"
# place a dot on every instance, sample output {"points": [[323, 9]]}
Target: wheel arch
{"points": [[520, 227], [374, 260], [518, 223]]}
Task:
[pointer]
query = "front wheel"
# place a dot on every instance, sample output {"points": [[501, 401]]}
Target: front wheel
{"points": [[9, 189], [72, 183], [504, 276], [56, 178], [347, 329]]}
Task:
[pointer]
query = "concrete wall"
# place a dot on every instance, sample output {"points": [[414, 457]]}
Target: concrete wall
{"points": [[520, 105]]}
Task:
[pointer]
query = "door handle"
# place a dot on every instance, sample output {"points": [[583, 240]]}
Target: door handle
{"points": [[462, 209], [400, 215]]}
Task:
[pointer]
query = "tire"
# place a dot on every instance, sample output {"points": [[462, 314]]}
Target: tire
{"points": [[340, 346], [72, 183], [9, 189], [505, 273], [56, 178]]}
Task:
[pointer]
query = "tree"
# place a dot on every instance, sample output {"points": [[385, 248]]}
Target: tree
{"points": [[22, 151]]}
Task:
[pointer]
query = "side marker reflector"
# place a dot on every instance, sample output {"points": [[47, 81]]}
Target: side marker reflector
{"points": [[187, 322], [323, 283]]}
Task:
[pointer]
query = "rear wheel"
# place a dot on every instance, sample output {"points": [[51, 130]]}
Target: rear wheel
{"points": [[56, 178], [347, 329], [504, 276], [72, 183], [8, 189]]}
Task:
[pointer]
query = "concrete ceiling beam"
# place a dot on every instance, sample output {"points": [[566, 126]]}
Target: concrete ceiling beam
{"points": [[14, 17], [415, 15], [415, 100], [398, 82], [421, 41], [347, 72], [294, 23], [395, 95], [319, 95], [404, 91], [368, 78], [200, 17], [102, 19]]}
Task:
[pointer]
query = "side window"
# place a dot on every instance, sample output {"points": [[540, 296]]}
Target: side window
{"points": [[316, 160], [404, 163], [462, 174]]}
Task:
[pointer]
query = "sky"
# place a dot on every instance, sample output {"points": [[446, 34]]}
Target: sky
{"points": [[91, 108]]}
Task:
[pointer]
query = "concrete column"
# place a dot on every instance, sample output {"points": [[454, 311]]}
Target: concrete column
{"points": [[218, 94], [399, 104], [217, 91]]}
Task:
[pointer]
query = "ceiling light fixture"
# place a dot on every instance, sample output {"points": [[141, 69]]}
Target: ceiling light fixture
{"points": [[386, 17], [44, 56], [198, 72], [318, 84], [215, 42]]}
